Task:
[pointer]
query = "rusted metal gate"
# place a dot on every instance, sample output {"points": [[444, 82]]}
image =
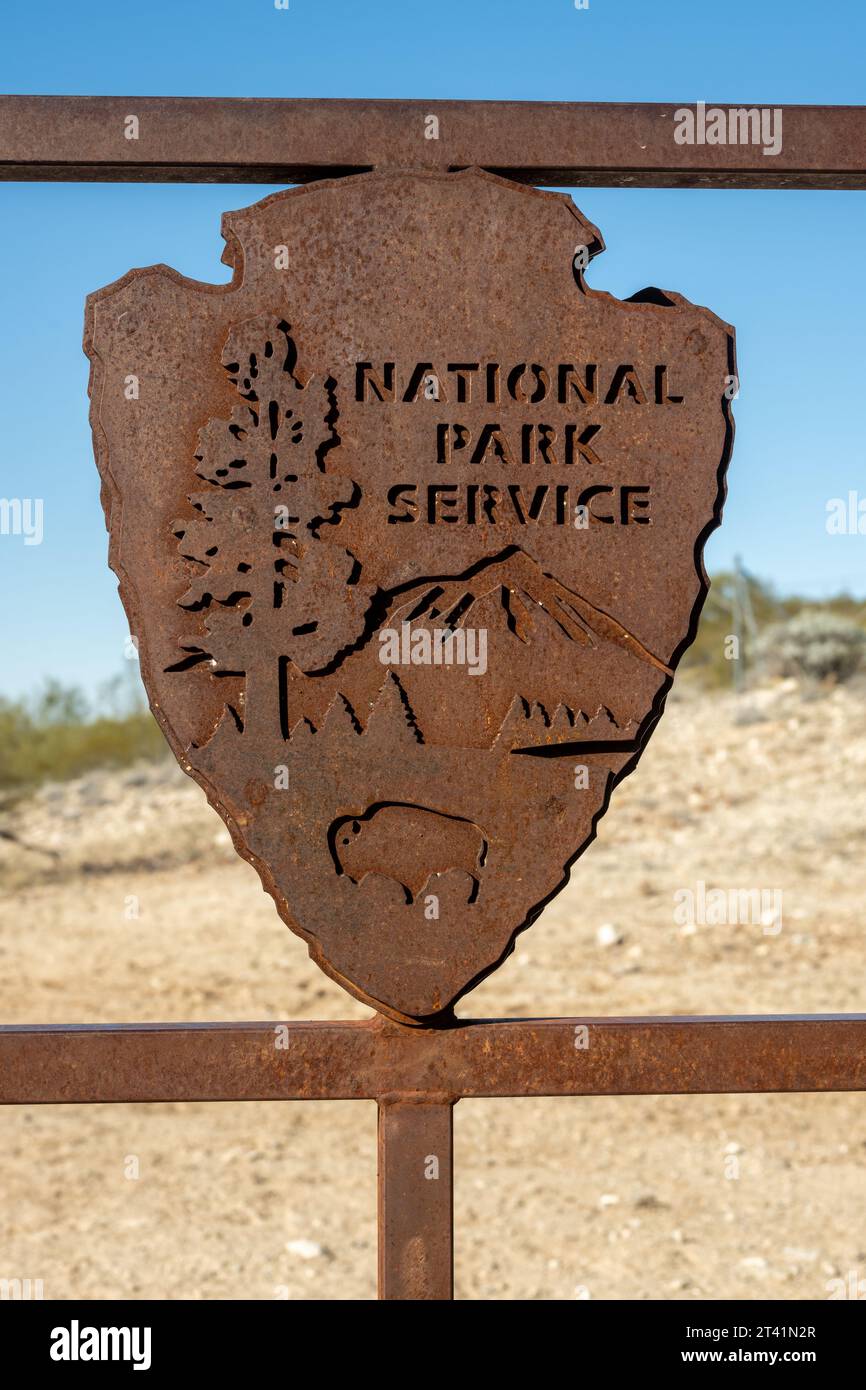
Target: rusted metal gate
{"points": [[416, 1058]]}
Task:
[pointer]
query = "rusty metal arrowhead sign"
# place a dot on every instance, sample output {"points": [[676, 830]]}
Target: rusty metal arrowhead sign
{"points": [[408, 523]]}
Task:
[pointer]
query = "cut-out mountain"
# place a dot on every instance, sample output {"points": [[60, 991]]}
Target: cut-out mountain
{"points": [[565, 659]]}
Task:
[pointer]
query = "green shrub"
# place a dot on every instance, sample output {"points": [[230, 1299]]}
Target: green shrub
{"points": [[54, 737], [752, 610]]}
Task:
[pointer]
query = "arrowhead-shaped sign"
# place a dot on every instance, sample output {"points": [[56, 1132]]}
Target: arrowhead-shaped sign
{"points": [[408, 523]]}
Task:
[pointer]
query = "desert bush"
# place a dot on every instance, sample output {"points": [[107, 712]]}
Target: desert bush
{"points": [[705, 659], [814, 643], [55, 736]]}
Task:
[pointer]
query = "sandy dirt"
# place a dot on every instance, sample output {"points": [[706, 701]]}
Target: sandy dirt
{"points": [[147, 914]]}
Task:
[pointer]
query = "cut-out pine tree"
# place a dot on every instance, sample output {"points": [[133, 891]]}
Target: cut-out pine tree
{"points": [[275, 581]]}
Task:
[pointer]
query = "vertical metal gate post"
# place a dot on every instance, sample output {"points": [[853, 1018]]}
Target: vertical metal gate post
{"points": [[416, 1197]]}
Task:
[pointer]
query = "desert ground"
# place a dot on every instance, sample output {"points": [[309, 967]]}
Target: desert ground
{"points": [[146, 913]]}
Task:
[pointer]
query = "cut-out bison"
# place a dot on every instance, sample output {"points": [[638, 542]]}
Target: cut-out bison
{"points": [[408, 844]]}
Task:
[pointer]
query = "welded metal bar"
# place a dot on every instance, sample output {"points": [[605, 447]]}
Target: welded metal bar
{"points": [[355, 1061], [416, 1198], [229, 140]]}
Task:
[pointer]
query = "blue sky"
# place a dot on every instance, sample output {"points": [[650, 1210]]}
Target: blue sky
{"points": [[786, 268]]}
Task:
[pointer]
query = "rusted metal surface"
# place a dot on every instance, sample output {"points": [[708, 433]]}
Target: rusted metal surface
{"points": [[408, 523], [215, 140], [416, 1198], [376, 1060]]}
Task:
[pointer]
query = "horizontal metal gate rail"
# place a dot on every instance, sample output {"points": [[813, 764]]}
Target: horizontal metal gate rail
{"points": [[417, 1074], [368, 1061], [570, 144]]}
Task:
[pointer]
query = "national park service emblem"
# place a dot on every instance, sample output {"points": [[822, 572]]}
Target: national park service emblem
{"points": [[408, 523]]}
